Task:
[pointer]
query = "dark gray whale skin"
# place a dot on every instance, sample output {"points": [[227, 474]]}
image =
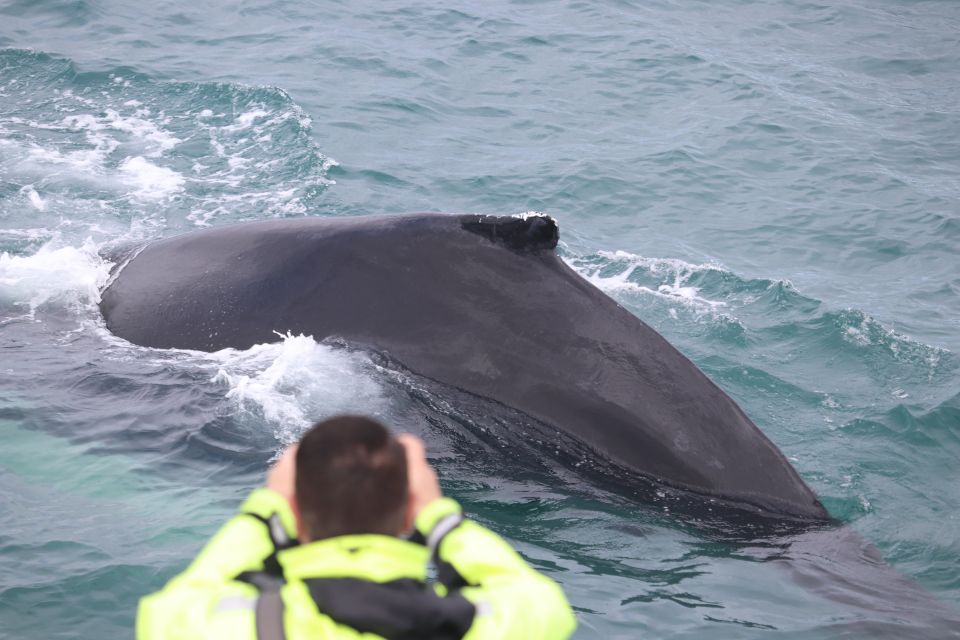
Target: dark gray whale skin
{"points": [[482, 303]]}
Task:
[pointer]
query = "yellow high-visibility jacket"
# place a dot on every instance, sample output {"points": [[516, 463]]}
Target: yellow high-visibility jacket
{"points": [[254, 582]]}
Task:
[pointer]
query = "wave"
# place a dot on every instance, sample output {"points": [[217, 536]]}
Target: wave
{"points": [[768, 317], [119, 153], [673, 280], [65, 275]]}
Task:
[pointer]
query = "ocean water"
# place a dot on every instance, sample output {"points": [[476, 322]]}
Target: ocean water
{"points": [[772, 185]]}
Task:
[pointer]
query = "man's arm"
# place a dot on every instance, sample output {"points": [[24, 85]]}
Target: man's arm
{"points": [[246, 543], [512, 600]]}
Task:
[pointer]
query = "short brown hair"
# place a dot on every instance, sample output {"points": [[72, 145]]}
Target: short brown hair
{"points": [[351, 478]]}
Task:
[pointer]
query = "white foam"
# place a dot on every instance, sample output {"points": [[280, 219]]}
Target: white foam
{"points": [[28, 234], [153, 139], [246, 120], [277, 201], [297, 381], [526, 215], [677, 272], [69, 275], [125, 147], [83, 161], [68, 93], [92, 166], [863, 330], [856, 335], [149, 181], [31, 193]]}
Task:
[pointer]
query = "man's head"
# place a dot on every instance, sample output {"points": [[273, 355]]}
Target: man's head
{"points": [[351, 477]]}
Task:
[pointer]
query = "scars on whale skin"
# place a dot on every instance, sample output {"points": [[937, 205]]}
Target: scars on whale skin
{"points": [[482, 303]]}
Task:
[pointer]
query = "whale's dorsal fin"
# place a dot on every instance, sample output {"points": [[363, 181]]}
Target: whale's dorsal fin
{"points": [[533, 233]]}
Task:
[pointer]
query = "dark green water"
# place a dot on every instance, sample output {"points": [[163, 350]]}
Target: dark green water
{"points": [[771, 185]]}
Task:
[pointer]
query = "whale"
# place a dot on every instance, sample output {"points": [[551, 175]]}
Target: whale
{"points": [[481, 303]]}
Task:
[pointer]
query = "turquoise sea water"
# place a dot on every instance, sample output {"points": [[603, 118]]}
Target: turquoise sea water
{"points": [[774, 186]]}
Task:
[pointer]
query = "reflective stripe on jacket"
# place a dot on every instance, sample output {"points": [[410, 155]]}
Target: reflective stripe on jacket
{"points": [[252, 582]]}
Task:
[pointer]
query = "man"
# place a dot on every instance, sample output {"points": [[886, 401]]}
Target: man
{"points": [[337, 545]]}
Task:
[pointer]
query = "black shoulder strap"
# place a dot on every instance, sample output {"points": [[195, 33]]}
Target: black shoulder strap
{"points": [[281, 541]]}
